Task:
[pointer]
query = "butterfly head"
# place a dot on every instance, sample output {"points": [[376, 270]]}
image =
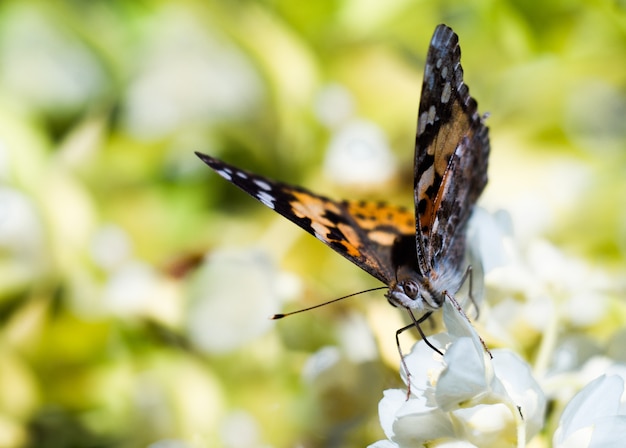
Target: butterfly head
{"points": [[413, 291]]}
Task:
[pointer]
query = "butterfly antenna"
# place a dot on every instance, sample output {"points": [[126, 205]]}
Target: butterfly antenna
{"points": [[319, 305]]}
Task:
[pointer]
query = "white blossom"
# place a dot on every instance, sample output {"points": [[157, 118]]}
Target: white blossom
{"points": [[464, 397]]}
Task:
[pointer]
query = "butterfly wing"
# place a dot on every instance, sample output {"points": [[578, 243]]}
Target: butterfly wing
{"points": [[363, 232], [451, 153]]}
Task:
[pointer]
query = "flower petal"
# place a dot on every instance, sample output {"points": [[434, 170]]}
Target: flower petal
{"points": [[516, 377], [416, 429], [392, 400], [600, 398], [464, 377], [608, 432], [383, 444]]}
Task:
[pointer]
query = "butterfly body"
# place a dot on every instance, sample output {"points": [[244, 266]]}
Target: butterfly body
{"points": [[418, 254]]}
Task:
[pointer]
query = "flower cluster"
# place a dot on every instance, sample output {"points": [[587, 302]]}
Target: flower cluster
{"points": [[470, 397], [464, 396]]}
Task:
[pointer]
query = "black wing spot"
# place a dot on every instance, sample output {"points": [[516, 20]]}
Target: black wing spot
{"points": [[404, 252]]}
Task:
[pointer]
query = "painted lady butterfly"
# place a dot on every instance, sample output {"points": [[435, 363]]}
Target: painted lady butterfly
{"points": [[420, 256]]}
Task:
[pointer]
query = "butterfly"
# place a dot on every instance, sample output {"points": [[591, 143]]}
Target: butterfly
{"points": [[419, 256]]}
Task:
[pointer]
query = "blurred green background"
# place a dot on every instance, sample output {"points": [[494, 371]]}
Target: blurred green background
{"points": [[136, 284]]}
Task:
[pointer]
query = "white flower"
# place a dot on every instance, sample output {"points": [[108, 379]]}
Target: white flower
{"points": [[334, 106], [21, 230], [464, 398], [187, 75], [595, 417], [230, 299], [135, 288], [110, 247], [359, 154], [44, 67], [240, 429]]}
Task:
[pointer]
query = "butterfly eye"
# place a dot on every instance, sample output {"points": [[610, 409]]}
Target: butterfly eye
{"points": [[411, 289]]}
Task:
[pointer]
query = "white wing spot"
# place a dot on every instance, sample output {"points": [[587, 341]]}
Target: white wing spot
{"points": [[445, 95], [426, 180], [439, 63], [266, 199], [422, 122], [444, 72], [432, 114], [262, 184], [242, 174], [225, 173], [427, 71], [426, 118]]}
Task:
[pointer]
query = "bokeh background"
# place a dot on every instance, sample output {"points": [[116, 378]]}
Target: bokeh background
{"points": [[135, 284]]}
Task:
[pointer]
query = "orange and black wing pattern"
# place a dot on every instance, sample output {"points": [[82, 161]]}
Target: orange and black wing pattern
{"points": [[363, 232]]}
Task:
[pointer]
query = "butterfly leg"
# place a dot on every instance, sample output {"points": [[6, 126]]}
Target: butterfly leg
{"points": [[468, 273], [462, 313], [415, 324]]}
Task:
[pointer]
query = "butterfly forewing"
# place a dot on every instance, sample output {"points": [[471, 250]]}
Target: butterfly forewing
{"points": [[361, 231], [451, 151]]}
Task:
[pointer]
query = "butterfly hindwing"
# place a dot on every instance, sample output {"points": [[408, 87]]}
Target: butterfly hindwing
{"points": [[452, 147], [363, 232]]}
